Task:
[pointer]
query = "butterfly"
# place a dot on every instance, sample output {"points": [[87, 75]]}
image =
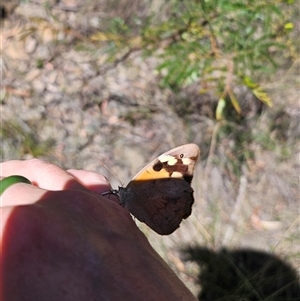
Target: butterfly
{"points": [[160, 195]]}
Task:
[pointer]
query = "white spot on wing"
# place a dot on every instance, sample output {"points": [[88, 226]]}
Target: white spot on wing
{"points": [[186, 161], [176, 174], [165, 158], [169, 159]]}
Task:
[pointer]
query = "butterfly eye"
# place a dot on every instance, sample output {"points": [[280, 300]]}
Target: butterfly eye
{"points": [[181, 156]]}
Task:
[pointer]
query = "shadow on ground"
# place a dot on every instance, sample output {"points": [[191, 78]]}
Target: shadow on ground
{"points": [[243, 275]]}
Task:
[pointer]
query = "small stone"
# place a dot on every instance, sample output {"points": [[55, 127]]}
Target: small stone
{"points": [[61, 36], [43, 52], [38, 85], [52, 88], [32, 74], [48, 35], [94, 22], [30, 45], [51, 77], [14, 50]]}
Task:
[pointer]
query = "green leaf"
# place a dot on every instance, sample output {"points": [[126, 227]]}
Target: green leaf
{"points": [[263, 96], [235, 102], [220, 109], [257, 90], [289, 26]]}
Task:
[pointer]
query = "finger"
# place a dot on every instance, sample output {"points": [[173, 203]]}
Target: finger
{"points": [[91, 180], [4, 216], [42, 174], [8, 181], [21, 194], [94, 182]]}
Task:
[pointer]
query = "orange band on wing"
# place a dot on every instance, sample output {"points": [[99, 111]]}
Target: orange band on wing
{"points": [[149, 174]]}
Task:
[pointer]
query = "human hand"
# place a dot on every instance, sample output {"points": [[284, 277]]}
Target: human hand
{"points": [[60, 240]]}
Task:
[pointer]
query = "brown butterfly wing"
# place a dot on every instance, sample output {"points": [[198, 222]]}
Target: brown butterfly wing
{"points": [[160, 195], [161, 204]]}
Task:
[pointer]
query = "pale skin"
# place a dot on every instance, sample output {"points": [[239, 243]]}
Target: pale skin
{"points": [[62, 240]]}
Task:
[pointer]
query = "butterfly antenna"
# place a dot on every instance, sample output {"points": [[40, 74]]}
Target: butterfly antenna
{"points": [[111, 191], [111, 172]]}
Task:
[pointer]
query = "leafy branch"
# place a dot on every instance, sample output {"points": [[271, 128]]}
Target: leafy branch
{"points": [[216, 43]]}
